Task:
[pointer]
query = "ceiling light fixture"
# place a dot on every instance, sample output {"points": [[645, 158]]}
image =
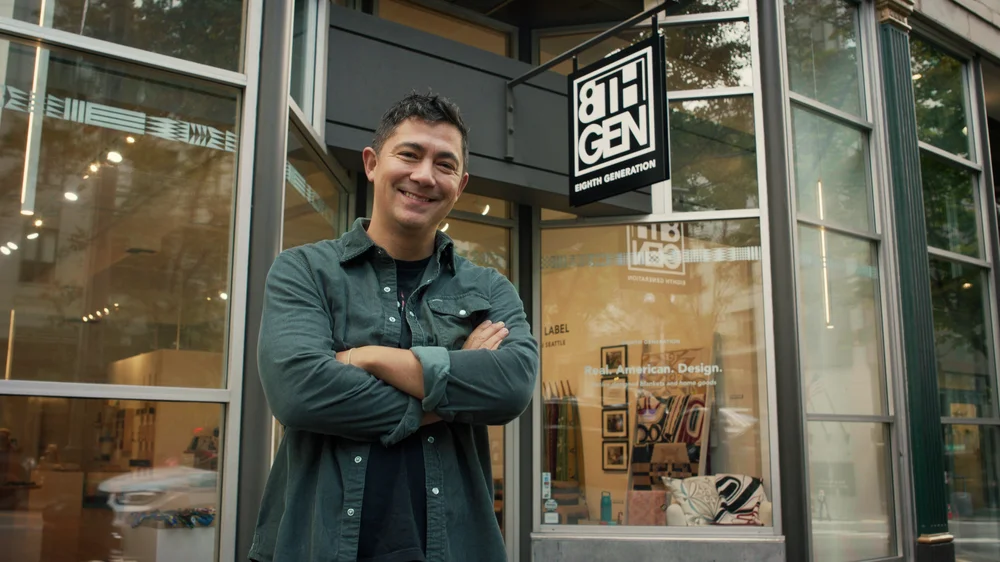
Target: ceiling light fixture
{"points": [[444, 228], [130, 139], [967, 286], [12, 245], [38, 222], [70, 196], [94, 167], [223, 296], [918, 76], [32, 236], [5, 250], [85, 319], [27, 212], [115, 157], [487, 209]]}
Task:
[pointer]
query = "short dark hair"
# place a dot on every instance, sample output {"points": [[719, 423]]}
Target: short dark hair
{"points": [[429, 107]]}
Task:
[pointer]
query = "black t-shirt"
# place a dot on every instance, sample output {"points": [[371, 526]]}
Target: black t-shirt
{"points": [[394, 509]]}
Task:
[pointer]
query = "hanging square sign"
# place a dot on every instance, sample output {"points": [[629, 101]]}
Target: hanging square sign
{"points": [[619, 124]]}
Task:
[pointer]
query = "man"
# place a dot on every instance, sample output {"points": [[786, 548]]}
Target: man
{"points": [[385, 356]]}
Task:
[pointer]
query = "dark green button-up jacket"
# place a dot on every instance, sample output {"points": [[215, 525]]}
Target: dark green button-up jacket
{"points": [[338, 294]]}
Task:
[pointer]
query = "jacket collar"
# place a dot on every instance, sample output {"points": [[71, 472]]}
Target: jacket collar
{"points": [[357, 242]]}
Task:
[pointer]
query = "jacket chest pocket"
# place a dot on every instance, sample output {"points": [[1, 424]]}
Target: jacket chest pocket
{"points": [[454, 318]]}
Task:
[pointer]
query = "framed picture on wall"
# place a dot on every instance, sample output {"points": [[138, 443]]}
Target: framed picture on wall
{"points": [[615, 423], [614, 392], [614, 357], [615, 457]]}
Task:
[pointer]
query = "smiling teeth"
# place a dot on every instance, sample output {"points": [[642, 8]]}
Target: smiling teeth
{"points": [[417, 197]]}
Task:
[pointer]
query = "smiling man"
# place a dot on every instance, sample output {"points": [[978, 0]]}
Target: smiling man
{"points": [[385, 356]]}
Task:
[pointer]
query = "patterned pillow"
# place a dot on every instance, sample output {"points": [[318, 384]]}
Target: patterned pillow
{"points": [[697, 496], [739, 500]]}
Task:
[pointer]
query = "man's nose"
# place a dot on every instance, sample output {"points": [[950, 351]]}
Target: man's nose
{"points": [[423, 173]]}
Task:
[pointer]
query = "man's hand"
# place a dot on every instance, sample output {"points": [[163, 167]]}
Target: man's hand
{"points": [[486, 336]]}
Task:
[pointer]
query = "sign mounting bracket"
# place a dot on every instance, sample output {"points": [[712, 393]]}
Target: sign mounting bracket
{"points": [[511, 84]]}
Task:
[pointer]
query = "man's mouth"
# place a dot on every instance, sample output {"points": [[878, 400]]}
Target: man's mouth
{"points": [[416, 197]]}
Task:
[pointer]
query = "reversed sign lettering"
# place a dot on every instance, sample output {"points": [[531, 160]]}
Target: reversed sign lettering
{"points": [[618, 139]]}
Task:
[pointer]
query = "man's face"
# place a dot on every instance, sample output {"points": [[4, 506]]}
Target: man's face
{"points": [[418, 175]]}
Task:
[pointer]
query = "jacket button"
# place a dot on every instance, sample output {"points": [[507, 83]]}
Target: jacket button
{"points": [[430, 440], [350, 512], [392, 319], [462, 313], [435, 491], [386, 289], [357, 460]]}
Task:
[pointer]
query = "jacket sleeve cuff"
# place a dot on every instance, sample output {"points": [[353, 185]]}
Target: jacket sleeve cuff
{"points": [[436, 364], [406, 426]]}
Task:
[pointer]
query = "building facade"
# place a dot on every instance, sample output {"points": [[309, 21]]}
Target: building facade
{"points": [[786, 352]]}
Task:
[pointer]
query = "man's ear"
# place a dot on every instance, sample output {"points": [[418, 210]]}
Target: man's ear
{"points": [[371, 160], [464, 182]]}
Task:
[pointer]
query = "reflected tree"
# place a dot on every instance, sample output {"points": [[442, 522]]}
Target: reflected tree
{"points": [[939, 91]]}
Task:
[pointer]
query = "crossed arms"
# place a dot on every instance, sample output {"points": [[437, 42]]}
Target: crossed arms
{"points": [[386, 393]]}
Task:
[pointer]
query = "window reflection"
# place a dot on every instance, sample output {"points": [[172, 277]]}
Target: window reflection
{"points": [[850, 491], [962, 339], [824, 54], [713, 154], [950, 207], [653, 394], [314, 199], [711, 55], [687, 7], [123, 239], [972, 471], [85, 479], [839, 323], [831, 171], [939, 89], [482, 205], [205, 32]]}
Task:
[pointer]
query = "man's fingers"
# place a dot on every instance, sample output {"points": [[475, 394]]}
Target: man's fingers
{"points": [[494, 341]]}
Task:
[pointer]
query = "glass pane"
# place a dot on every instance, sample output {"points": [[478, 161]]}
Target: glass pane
{"points": [[962, 339], [939, 90], [713, 154], [704, 6], [653, 375], [972, 456], [444, 25], [482, 244], [488, 246], [712, 55], [204, 32], [831, 171], [839, 321], [303, 54], [118, 265], [950, 207], [88, 479], [824, 52], [480, 205], [850, 486], [314, 199], [552, 215]]}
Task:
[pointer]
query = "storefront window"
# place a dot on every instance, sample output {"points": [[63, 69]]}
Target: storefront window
{"points": [[412, 14], [303, 69], [204, 32], [314, 199], [486, 245], [839, 324], [713, 154], [951, 207], [831, 171], [704, 7], [654, 396], [89, 479], [941, 96], [117, 206], [972, 470], [850, 492], [824, 53], [484, 206], [962, 339]]}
